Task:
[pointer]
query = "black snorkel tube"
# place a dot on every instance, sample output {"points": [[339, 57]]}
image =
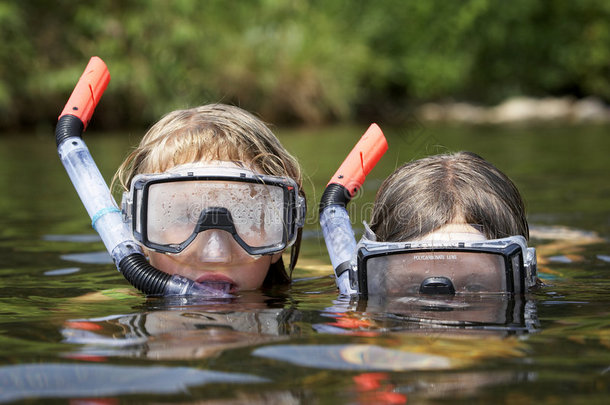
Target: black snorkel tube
{"points": [[106, 217], [334, 218]]}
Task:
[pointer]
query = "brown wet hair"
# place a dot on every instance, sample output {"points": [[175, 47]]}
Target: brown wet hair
{"points": [[423, 195]]}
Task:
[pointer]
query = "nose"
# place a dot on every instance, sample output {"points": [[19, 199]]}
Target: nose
{"points": [[437, 285], [214, 246]]}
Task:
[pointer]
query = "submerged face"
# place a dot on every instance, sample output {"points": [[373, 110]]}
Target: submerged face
{"points": [[462, 272], [443, 272], [456, 259], [200, 226]]}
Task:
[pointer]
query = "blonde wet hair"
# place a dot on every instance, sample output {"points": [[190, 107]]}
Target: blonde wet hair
{"points": [[424, 195], [209, 132], [212, 132]]}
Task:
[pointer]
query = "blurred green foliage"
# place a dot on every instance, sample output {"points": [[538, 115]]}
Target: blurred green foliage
{"points": [[297, 61]]}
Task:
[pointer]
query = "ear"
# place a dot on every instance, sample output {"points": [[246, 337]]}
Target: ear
{"points": [[276, 257]]}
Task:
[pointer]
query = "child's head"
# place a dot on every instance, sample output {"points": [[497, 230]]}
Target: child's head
{"points": [[447, 224], [456, 189], [229, 138]]}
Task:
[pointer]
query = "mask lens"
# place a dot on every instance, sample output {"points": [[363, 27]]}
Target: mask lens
{"points": [[258, 213], [403, 273], [171, 212], [174, 210]]}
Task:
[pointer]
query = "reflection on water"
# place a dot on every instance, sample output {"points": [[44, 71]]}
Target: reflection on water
{"points": [[500, 314], [24, 381], [72, 329], [199, 330], [389, 335], [180, 328]]}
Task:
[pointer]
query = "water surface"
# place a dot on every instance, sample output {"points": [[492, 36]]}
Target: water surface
{"points": [[72, 329]]}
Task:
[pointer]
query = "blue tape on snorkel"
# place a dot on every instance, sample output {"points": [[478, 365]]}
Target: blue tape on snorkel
{"points": [[101, 213]]}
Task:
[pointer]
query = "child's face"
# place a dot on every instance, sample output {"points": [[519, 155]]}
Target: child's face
{"points": [[213, 255], [455, 259]]}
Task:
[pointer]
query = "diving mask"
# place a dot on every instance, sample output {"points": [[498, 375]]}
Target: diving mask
{"points": [[452, 266], [167, 211]]}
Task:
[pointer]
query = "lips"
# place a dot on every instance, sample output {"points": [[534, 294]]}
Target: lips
{"points": [[217, 281]]}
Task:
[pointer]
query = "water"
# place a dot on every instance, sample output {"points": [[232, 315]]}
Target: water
{"points": [[72, 330]]}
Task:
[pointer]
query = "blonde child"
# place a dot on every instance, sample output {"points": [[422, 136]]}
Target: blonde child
{"points": [[212, 195]]}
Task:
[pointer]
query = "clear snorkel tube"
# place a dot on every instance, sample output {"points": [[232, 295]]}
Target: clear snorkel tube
{"points": [[334, 219], [106, 218]]}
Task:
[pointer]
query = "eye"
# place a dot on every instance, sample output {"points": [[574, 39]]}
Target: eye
{"points": [[186, 214], [401, 289], [192, 217], [474, 288]]}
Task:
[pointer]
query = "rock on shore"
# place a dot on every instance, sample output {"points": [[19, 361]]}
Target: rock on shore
{"points": [[519, 109]]}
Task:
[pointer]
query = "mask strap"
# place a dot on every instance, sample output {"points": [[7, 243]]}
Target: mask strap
{"points": [[368, 232], [294, 252]]}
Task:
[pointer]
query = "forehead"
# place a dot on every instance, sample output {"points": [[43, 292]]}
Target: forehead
{"points": [[459, 231], [211, 164]]}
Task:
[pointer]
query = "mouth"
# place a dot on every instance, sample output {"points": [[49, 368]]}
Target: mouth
{"points": [[218, 281]]}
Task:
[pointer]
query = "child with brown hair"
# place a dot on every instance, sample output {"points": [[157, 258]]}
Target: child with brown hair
{"points": [[450, 223], [448, 191]]}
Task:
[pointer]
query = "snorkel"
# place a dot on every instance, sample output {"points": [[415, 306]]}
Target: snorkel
{"points": [[334, 218], [105, 216]]}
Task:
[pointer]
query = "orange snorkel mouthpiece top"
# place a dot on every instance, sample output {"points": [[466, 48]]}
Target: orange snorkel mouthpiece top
{"points": [[88, 91], [361, 160]]}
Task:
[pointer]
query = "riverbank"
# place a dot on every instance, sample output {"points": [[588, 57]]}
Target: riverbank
{"points": [[519, 110]]}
